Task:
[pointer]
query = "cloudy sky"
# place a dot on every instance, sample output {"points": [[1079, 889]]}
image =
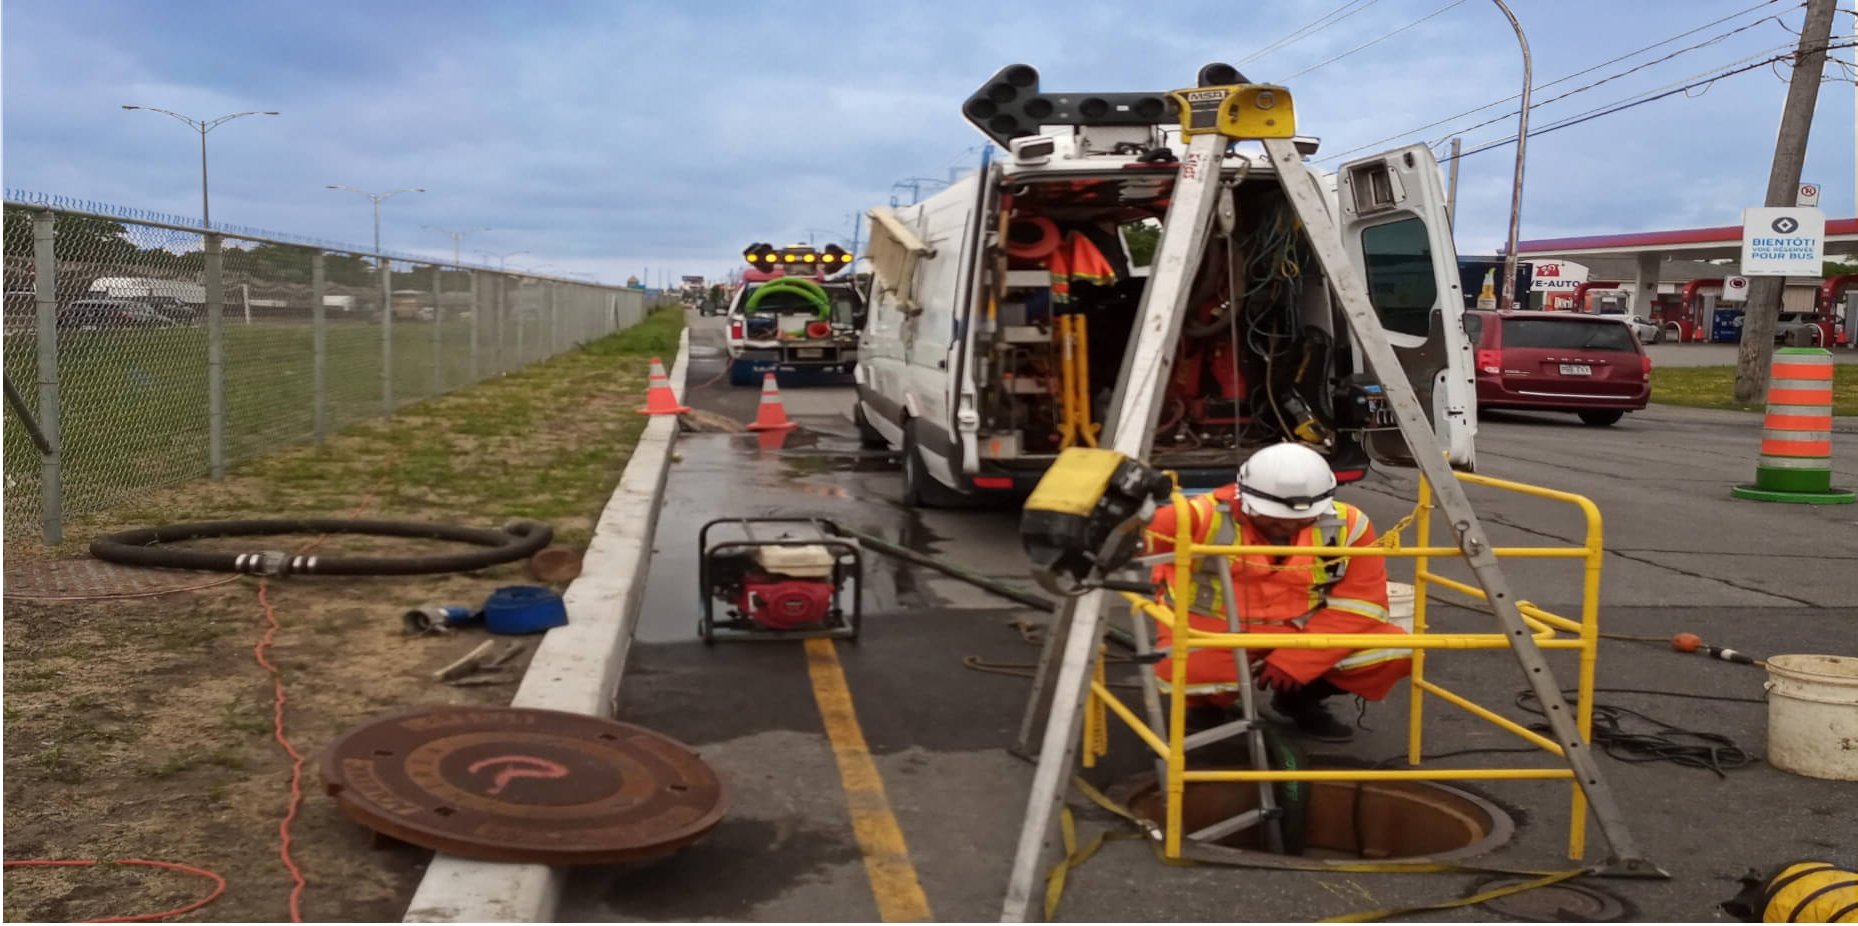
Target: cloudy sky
{"points": [[612, 138]]}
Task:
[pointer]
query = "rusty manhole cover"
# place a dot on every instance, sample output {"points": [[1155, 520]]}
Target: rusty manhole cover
{"points": [[1557, 903], [47, 579], [521, 785]]}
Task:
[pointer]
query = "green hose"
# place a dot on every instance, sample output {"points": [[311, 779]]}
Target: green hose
{"points": [[806, 289], [1293, 797]]}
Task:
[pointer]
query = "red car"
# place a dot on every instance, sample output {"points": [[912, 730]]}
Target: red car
{"points": [[1590, 365]]}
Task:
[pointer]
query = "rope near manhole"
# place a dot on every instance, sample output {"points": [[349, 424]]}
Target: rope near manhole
{"points": [[524, 785], [147, 546]]}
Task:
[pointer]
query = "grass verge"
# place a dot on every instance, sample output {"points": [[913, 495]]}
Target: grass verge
{"points": [[1714, 387], [143, 727]]}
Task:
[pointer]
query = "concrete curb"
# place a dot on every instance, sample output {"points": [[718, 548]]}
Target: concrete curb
{"points": [[576, 668]]}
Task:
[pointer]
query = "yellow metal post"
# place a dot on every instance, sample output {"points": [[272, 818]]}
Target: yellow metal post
{"points": [[1422, 534], [1178, 650]]}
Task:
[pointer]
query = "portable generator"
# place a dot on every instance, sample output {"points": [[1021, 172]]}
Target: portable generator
{"points": [[777, 578]]}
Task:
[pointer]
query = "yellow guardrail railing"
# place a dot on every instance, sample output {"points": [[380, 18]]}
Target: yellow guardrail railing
{"points": [[1548, 631]]}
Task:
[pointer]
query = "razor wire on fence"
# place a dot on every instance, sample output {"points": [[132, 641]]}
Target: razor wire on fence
{"points": [[149, 351]]}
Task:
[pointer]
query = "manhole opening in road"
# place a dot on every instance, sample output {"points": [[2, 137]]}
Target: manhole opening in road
{"points": [[1377, 821]]}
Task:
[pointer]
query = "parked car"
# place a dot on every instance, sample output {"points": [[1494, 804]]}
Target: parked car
{"points": [[1590, 365], [99, 314]]}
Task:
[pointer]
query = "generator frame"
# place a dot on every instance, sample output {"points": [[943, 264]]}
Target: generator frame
{"points": [[847, 580]]}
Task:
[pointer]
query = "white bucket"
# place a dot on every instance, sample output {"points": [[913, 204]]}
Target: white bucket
{"points": [[1813, 716], [1400, 605]]}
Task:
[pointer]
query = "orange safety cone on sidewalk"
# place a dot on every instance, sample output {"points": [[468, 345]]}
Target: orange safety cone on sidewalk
{"points": [[770, 415], [659, 399]]}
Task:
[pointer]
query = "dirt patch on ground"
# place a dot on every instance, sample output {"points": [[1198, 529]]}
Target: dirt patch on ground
{"points": [[143, 728]]}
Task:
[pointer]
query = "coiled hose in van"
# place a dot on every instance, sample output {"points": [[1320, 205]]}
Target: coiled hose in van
{"points": [[144, 547], [812, 292]]}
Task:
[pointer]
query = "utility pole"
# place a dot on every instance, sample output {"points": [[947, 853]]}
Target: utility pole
{"points": [[1764, 292]]}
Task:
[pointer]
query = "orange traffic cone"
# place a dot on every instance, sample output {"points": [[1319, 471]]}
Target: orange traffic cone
{"points": [[770, 441], [659, 399], [770, 415]]}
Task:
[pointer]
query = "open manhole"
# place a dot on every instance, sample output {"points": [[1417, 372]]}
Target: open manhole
{"points": [[1336, 820]]}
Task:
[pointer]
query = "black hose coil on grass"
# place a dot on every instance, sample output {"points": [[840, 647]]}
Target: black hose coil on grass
{"points": [[143, 547]]}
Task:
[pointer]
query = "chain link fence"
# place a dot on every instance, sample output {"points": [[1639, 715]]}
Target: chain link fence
{"points": [[144, 351]]}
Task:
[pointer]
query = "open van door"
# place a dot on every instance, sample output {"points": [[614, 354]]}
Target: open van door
{"points": [[1394, 227], [976, 304]]}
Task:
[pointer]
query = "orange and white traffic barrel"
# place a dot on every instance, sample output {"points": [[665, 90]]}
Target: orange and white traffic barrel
{"points": [[1796, 438]]}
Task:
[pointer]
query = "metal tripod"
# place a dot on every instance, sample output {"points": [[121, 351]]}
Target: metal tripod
{"points": [[1186, 230]]}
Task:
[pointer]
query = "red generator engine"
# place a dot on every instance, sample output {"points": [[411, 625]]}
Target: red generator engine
{"points": [[778, 577]]}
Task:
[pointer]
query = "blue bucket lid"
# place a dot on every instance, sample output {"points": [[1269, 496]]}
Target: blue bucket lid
{"points": [[520, 609]]}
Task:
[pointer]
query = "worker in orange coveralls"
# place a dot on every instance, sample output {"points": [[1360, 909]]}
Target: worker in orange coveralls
{"points": [[1285, 497]]}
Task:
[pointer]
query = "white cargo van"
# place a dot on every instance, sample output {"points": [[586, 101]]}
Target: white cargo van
{"points": [[1000, 310]]}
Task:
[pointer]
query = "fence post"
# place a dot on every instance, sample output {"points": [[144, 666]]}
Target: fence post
{"points": [[387, 335], [520, 331], [319, 321], [215, 357], [438, 328], [477, 316], [51, 472], [498, 312]]}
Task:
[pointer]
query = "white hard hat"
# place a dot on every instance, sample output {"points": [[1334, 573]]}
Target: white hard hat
{"points": [[1287, 480]]}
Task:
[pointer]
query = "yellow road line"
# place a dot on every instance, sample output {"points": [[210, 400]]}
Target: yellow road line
{"points": [[899, 895]]}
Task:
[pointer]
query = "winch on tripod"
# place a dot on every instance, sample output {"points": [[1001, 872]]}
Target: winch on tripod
{"points": [[1084, 520], [778, 578]]}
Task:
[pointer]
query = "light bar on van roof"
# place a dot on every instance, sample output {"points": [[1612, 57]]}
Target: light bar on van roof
{"points": [[1010, 105]]}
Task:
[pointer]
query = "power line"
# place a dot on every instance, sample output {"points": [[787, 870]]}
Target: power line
{"points": [[1319, 24], [1630, 103], [1558, 80], [1384, 37], [1631, 70]]}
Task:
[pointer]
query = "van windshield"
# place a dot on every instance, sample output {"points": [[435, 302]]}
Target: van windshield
{"points": [[1566, 334]]}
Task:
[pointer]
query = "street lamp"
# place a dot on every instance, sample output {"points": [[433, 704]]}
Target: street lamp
{"points": [[203, 126], [376, 197], [456, 237], [1516, 190], [501, 259]]}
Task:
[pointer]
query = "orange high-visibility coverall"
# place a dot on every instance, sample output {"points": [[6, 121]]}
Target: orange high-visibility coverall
{"points": [[1299, 594]]}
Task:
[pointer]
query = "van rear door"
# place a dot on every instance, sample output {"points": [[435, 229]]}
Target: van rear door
{"points": [[971, 308], [1394, 227]]}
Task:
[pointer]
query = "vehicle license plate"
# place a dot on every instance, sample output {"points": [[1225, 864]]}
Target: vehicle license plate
{"points": [[1576, 369], [809, 353]]}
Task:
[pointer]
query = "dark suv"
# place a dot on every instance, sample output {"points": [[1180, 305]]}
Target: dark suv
{"points": [[1560, 362]]}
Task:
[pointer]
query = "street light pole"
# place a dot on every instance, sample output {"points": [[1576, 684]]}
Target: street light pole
{"points": [[203, 126], [502, 259], [457, 236], [1508, 302], [376, 198]]}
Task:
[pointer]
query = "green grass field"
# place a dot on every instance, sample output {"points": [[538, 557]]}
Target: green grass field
{"points": [[133, 403], [1714, 387]]}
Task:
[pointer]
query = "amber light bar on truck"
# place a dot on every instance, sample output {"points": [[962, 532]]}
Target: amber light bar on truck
{"points": [[767, 256]]}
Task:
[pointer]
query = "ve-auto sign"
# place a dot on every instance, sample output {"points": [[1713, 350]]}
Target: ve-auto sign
{"points": [[1781, 241]]}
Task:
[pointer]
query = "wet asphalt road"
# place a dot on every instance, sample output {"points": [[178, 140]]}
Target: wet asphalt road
{"points": [[1764, 578]]}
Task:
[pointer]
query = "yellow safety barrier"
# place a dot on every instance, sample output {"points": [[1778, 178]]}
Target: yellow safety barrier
{"points": [[1549, 631]]}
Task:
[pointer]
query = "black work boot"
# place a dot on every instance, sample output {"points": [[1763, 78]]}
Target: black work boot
{"points": [[1304, 707]]}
